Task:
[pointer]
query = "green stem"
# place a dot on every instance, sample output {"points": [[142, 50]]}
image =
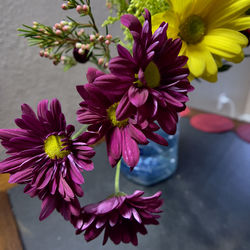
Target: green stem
{"points": [[79, 132], [117, 177], [92, 18]]}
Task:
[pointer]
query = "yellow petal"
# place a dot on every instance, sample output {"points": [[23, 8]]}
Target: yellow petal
{"points": [[202, 8], [183, 8], [183, 48], [157, 19], [218, 61], [210, 78], [236, 59], [201, 62], [226, 11], [191, 77], [196, 61], [211, 66], [168, 17], [239, 24], [225, 42]]}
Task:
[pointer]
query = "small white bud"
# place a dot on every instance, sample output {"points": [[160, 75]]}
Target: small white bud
{"points": [[66, 28], [81, 51], [78, 45], [92, 38], [58, 32]]}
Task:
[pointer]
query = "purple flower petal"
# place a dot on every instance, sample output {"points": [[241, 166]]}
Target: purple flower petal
{"points": [[130, 150], [92, 74], [137, 96], [131, 22], [48, 206], [113, 140]]}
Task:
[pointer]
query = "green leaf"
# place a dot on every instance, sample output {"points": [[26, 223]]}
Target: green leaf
{"points": [[67, 67]]}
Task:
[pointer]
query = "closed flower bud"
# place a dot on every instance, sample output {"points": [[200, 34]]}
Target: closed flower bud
{"points": [[85, 8], [100, 61], [41, 53], [80, 32], [58, 32], [107, 42], [92, 38], [108, 37], [46, 54], [64, 6], [81, 51], [79, 9], [63, 23], [57, 26], [87, 46], [100, 38], [78, 45], [66, 28]]}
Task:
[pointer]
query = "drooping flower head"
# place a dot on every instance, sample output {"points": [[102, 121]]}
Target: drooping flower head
{"points": [[99, 110], [46, 159], [153, 80], [209, 31], [121, 216]]}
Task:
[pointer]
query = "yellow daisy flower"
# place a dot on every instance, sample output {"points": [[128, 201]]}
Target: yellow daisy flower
{"points": [[209, 30]]}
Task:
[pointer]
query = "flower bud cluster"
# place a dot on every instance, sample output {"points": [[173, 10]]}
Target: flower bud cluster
{"points": [[47, 53], [82, 47], [68, 5], [82, 9], [61, 27], [83, 40], [92, 41]]}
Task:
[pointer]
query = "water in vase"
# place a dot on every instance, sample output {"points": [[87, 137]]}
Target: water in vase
{"points": [[156, 162]]}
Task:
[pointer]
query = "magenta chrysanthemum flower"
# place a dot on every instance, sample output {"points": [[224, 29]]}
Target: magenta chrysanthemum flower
{"points": [[153, 79], [121, 216], [122, 136], [44, 157]]}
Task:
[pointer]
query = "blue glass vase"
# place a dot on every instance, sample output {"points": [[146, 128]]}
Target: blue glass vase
{"points": [[156, 163]]}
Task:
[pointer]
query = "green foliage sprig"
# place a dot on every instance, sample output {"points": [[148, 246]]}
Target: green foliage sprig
{"points": [[135, 7], [58, 42]]}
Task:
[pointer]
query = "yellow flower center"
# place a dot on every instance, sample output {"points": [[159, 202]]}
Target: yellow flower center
{"points": [[192, 29], [152, 75], [138, 83], [53, 147], [111, 112]]}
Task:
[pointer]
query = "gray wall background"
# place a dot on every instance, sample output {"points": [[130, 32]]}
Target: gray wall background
{"points": [[25, 77]]}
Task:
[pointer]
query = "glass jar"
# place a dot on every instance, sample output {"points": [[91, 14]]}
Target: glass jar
{"points": [[156, 162]]}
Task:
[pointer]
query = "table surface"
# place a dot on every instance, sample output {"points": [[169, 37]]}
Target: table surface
{"points": [[206, 203]]}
